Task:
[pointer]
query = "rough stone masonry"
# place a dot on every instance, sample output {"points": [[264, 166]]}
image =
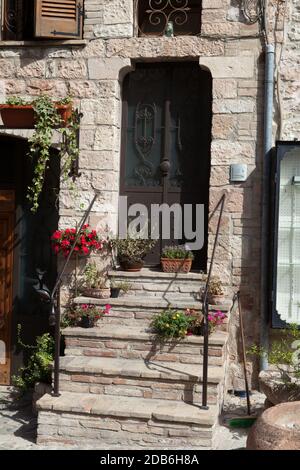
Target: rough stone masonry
{"points": [[92, 72]]}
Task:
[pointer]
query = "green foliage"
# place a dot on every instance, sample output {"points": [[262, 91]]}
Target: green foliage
{"points": [[38, 368], [283, 352], [123, 286], [172, 324], [15, 101], [132, 249], [47, 120], [93, 278], [177, 252], [40, 145]]}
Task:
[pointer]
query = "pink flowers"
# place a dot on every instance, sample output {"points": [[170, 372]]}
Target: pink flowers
{"points": [[91, 311], [216, 319], [87, 241]]}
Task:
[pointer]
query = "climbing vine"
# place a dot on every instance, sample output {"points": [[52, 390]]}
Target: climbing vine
{"points": [[47, 120]]}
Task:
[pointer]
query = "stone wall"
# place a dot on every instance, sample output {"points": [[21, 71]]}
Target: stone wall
{"points": [[93, 72], [289, 73]]}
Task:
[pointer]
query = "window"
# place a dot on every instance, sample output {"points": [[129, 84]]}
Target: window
{"points": [[34, 19], [286, 275], [168, 17]]}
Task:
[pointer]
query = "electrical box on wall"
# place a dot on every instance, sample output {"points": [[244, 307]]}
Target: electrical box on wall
{"points": [[286, 230], [238, 173]]}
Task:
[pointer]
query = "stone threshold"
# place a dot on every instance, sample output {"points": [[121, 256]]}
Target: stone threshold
{"points": [[219, 338], [129, 407], [140, 369]]}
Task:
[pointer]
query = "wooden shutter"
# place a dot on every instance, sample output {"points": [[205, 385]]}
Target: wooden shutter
{"points": [[58, 19]]}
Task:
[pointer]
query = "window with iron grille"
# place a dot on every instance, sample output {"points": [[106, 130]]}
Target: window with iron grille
{"points": [[168, 17], [42, 19]]}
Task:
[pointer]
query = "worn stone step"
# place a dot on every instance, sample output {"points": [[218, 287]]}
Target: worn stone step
{"points": [[154, 379], [73, 417], [130, 310], [130, 342], [153, 282]]}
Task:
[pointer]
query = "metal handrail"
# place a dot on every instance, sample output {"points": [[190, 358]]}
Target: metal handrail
{"points": [[55, 315], [205, 307]]}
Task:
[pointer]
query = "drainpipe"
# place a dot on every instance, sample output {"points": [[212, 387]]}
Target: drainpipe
{"points": [[268, 144]]}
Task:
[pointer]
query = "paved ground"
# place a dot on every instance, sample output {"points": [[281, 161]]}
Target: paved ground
{"points": [[18, 425]]}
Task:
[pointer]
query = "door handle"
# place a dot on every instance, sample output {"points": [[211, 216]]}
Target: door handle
{"points": [[165, 167]]}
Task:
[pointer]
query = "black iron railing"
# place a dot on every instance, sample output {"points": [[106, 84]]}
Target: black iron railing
{"points": [[205, 306], [53, 298]]}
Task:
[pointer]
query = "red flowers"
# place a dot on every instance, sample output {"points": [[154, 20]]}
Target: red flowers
{"points": [[87, 241]]}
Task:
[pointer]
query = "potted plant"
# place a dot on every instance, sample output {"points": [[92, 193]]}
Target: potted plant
{"points": [[17, 113], [215, 291], [117, 287], [88, 241], [172, 324], [95, 283], [45, 116], [176, 259], [281, 383], [132, 251], [86, 315]]}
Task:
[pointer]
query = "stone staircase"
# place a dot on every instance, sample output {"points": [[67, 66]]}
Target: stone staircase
{"points": [[121, 387]]}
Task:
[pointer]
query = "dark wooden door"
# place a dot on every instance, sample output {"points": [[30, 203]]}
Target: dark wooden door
{"points": [[6, 271], [166, 140]]}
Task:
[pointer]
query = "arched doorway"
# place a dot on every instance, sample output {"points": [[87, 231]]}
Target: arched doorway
{"points": [[24, 248], [166, 137]]}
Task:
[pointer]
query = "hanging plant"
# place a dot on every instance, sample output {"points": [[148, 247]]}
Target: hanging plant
{"points": [[48, 116]]}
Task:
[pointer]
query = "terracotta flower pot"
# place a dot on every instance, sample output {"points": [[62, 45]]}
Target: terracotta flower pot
{"points": [[176, 265], [278, 428], [132, 266], [97, 293], [22, 117], [215, 299]]}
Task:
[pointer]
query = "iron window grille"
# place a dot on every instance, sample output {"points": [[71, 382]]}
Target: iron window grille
{"points": [[168, 17], [37, 19]]}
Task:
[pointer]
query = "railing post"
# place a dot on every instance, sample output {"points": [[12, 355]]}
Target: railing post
{"points": [[205, 309], [55, 301]]}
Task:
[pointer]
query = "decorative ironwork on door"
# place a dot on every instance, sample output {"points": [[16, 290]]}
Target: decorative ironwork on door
{"points": [[169, 17], [166, 137]]}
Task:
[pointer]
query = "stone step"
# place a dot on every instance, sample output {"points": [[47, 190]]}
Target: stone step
{"points": [[153, 282], [74, 417], [130, 342], [129, 310], [137, 378]]}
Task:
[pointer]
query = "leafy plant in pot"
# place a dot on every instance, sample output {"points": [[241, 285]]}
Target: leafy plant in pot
{"points": [[215, 291], [132, 251], [86, 315], [95, 282], [176, 259], [88, 241], [117, 287], [281, 383], [46, 116]]}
